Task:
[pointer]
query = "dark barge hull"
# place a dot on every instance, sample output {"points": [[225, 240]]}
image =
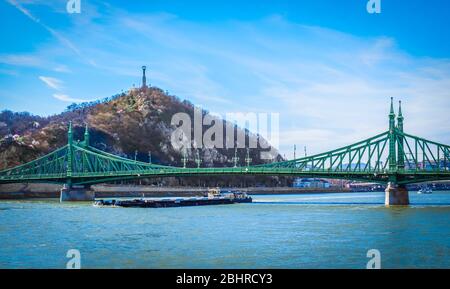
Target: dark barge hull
{"points": [[142, 203], [172, 203]]}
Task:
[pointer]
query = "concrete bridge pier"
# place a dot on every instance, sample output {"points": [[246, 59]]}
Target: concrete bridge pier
{"points": [[77, 194], [396, 195]]}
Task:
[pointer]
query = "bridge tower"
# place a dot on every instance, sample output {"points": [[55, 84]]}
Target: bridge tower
{"points": [[69, 192], [395, 194]]}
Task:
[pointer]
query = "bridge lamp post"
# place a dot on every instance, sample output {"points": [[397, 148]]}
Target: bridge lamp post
{"points": [[184, 159], [198, 160], [235, 158], [248, 160]]}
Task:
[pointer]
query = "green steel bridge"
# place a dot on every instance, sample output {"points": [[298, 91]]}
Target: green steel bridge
{"points": [[393, 156]]}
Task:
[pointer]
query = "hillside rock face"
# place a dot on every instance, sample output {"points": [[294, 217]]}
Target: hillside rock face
{"points": [[139, 120]]}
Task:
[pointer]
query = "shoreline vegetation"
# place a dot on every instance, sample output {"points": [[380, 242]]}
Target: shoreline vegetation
{"points": [[27, 191]]}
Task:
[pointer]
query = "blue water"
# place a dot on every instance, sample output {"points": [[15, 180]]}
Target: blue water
{"points": [[276, 231]]}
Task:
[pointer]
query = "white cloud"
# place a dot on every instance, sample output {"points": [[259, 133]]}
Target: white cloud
{"points": [[66, 98], [20, 60], [52, 82], [89, 13], [52, 31], [57, 85], [8, 72], [62, 68], [37, 60]]}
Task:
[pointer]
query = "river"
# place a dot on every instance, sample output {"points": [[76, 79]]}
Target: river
{"points": [[332, 230]]}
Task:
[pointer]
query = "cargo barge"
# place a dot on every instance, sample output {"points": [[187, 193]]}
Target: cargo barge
{"points": [[214, 197]]}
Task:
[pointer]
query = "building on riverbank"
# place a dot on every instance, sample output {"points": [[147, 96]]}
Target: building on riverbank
{"points": [[311, 183]]}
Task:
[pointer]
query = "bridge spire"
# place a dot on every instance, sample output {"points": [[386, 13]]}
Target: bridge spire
{"points": [[69, 157], [70, 134], [392, 157], [86, 135], [392, 107], [400, 148]]}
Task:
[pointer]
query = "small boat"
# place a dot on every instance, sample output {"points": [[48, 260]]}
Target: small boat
{"points": [[236, 197], [105, 203], [240, 197], [425, 191]]}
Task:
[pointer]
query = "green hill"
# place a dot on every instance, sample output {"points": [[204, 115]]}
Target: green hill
{"points": [[138, 120]]}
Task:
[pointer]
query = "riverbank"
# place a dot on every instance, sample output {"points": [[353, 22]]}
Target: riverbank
{"points": [[26, 191]]}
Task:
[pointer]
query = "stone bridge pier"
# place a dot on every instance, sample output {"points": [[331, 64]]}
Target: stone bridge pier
{"points": [[76, 194], [396, 195]]}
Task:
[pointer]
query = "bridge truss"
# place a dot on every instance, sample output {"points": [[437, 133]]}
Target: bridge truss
{"points": [[392, 156]]}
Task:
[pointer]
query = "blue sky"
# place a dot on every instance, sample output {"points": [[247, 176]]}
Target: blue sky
{"points": [[327, 67]]}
